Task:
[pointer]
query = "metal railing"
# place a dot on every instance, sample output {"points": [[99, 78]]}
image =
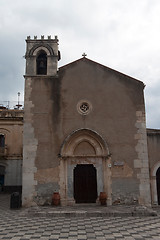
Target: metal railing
{"points": [[11, 105]]}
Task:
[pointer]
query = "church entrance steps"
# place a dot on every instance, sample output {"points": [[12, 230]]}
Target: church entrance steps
{"points": [[79, 210], [91, 211]]}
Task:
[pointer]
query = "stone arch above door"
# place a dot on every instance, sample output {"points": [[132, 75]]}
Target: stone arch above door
{"points": [[84, 146], [88, 140]]}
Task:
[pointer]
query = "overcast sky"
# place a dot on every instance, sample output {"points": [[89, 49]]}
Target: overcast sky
{"points": [[121, 34]]}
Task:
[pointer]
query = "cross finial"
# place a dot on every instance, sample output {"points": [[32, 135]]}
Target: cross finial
{"points": [[84, 55]]}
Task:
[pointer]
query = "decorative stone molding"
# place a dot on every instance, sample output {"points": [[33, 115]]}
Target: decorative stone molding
{"points": [[84, 134], [68, 161], [84, 107]]}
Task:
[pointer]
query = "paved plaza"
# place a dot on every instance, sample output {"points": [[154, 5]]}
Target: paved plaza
{"points": [[24, 224]]}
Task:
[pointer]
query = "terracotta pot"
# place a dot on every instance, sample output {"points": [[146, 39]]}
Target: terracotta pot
{"points": [[56, 199], [103, 198]]}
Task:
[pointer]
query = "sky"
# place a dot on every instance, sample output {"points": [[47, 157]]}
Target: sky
{"points": [[121, 34]]}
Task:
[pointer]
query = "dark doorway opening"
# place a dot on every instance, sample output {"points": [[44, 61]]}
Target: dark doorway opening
{"points": [[85, 183], [158, 184]]}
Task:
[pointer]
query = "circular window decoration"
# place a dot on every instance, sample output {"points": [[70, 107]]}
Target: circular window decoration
{"points": [[84, 107]]}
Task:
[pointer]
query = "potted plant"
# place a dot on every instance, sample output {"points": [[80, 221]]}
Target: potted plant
{"points": [[56, 199], [103, 198]]}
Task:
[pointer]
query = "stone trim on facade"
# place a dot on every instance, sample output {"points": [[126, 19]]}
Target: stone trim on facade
{"points": [[141, 164]]}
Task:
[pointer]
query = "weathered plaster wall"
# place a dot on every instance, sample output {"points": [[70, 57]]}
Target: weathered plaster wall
{"points": [[125, 190], [117, 114], [41, 118]]}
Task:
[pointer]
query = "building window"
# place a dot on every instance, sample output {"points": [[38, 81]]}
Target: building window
{"points": [[84, 107], [2, 141], [42, 63]]}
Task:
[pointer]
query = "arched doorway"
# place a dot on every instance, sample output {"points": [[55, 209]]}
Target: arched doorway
{"points": [[84, 152], [85, 183], [158, 184], [155, 183]]}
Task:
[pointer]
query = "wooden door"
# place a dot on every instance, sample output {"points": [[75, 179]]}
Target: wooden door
{"points": [[85, 183], [158, 184]]}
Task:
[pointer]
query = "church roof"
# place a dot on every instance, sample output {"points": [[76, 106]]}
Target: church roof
{"points": [[151, 132], [115, 72]]}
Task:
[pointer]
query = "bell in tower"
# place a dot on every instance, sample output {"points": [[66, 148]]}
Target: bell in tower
{"points": [[41, 63]]}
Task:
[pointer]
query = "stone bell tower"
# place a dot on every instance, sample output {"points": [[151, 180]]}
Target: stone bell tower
{"points": [[41, 81], [42, 56]]}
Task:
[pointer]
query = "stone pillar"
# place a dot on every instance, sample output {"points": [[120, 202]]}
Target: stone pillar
{"points": [[29, 151], [141, 164]]}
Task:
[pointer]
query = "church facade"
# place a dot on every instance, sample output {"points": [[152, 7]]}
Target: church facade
{"points": [[84, 132]]}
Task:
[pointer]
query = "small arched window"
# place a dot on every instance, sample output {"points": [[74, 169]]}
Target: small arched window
{"points": [[2, 141], [42, 63]]}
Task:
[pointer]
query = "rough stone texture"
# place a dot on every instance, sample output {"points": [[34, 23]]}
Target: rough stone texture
{"points": [[125, 191], [142, 162], [29, 150]]}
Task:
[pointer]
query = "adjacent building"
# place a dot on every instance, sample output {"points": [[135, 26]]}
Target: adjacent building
{"points": [[11, 147], [153, 137]]}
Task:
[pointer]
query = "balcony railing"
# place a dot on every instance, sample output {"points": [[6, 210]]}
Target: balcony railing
{"points": [[11, 105]]}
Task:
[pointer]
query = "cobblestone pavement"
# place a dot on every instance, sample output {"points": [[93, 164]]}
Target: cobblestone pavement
{"points": [[20, 225]]}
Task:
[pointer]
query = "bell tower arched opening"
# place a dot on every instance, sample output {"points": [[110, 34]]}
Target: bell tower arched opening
{"points": [[41, 63]]}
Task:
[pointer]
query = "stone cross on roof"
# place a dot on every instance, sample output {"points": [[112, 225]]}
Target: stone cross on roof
{"points": [[84, 55]]}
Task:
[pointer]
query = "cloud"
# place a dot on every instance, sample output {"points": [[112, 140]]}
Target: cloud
{"points": [[123, 35]]}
